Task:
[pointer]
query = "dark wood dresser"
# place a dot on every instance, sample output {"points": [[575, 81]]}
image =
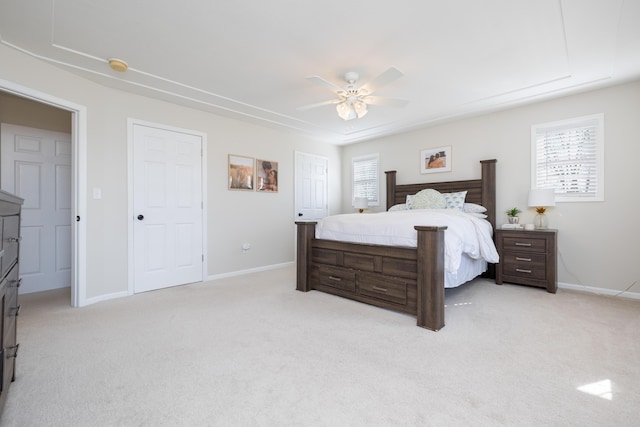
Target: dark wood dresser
{"points": [[528, 258], [10, 208]]}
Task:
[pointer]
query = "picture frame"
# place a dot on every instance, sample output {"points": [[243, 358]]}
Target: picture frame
{"points": [[241, 173], [266, 176], [434, 160]]}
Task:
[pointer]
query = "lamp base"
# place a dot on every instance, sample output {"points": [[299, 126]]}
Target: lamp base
{"points": [[540, 221]]}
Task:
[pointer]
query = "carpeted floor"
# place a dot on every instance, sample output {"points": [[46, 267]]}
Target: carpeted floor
{"points": [[252, 351]]}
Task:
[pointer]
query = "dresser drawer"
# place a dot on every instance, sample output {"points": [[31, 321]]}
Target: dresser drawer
{"points": [[383, 288], [338, 278], [525, 244]]}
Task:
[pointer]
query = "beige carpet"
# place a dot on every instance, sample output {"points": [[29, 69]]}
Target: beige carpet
{"points": [[252, 351]]}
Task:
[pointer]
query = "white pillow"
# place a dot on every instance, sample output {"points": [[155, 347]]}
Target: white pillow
{"points": [[477, 215], [455, 200], [400, 207], [473, 208], [428, 199]]}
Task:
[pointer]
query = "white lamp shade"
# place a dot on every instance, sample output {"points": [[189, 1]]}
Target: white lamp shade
{"points": [[360, 203], [542, 197]]}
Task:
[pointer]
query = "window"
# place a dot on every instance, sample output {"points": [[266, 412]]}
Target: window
{"points": [[365, 178], [568, 156]]}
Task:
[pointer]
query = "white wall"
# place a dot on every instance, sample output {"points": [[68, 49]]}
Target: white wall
{"points": [[599, 242], [264, 220]]}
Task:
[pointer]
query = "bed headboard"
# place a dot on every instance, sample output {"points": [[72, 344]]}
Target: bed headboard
{"points": [[481, 191]]}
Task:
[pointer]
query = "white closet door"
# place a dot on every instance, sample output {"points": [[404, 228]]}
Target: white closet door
{"points": [[167, 207]]}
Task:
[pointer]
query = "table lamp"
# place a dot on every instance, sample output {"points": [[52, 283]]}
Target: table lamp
{"points": [[541, 199], [361, 203]]}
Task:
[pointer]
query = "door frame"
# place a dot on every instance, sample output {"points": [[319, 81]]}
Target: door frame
{"points": [[130, 224], [78, 182]]}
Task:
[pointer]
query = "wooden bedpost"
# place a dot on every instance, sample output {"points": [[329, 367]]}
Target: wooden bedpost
{"points": [[430, 279], [306, 233], [391, 188], [489, 189]]}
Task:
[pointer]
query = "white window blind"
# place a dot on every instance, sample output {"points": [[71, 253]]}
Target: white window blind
{"points": [[568, 157], [365, 178]]}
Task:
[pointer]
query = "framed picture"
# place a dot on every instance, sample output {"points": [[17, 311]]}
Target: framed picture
{"points": [[435, 160], [241, 173], [266, 175]]}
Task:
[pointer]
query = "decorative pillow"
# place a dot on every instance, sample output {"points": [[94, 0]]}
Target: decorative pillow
{"points": [[400, 207], [473, 208], [428, 199], [455, 200], [409, 201]]}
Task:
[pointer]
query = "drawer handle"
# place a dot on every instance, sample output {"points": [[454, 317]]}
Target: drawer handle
{"points": [[376, 288], [523, 259], [15, 353], [14, 239], [335, 279], [523, 244], [15, 283], [520, 270]]}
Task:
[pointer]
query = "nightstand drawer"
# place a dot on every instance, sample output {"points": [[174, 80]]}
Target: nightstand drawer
{"points": [[337, 278], [525, 244], [523, 264]]}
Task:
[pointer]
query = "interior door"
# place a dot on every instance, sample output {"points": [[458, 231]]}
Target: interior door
{"points": [[167, 207], [36, 165], [311, 187]]}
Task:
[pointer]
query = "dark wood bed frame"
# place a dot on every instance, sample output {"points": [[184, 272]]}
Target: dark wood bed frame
{"points": [[409, 280]]}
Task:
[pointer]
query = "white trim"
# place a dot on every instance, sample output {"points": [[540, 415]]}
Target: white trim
{"points": [[130, 123], [600, 291], [78, 182], [251, 271]]}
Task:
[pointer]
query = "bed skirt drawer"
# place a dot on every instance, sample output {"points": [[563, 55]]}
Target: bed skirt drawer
{"points": [[383, 288], [337, 278]]}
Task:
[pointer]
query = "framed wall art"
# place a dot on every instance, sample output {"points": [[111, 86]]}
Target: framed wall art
{"points": [[435, 160], [266, 175], [241, 173]]}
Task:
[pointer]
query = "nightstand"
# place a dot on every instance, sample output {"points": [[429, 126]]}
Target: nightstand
{"points": [[528, 258]]}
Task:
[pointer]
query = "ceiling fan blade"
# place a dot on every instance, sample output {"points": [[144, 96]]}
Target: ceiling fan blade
{"points": [[319, 104], [383, 79], [384, 101], [324, 82]]}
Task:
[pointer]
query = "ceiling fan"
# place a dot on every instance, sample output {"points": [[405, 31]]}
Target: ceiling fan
{"points": [[353, 99]]}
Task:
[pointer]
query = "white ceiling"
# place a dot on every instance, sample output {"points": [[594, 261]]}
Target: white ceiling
{"points": [[248, 59]]}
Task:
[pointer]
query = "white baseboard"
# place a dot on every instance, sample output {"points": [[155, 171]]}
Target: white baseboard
{"points": [[600, 291], [250, 271]]}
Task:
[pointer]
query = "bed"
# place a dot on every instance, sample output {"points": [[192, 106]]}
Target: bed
{"points": [[405, 279]]}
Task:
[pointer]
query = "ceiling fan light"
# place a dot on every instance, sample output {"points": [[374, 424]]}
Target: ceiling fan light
{"points": [[345, 111], [360, 108]]}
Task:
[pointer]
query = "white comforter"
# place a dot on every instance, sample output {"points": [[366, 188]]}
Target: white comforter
{"points": [[465, 233]]}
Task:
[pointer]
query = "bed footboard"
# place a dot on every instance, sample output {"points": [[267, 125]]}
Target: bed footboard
{"points": [[410, 280]]}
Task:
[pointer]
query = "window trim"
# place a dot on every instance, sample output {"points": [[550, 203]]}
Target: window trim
{"points": [[366, 157], [599, 146]]}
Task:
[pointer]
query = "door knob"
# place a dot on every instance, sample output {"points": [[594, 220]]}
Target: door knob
{"points": [[140, 217], [299, 213]]}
